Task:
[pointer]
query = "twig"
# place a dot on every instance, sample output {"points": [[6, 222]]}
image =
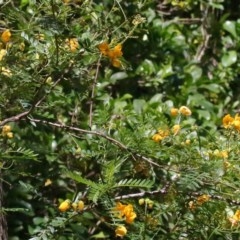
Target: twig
{"points": [[145, 193], [55, 35], [14, 118], [100, 134], [204, 45], [217, 197], [121, 10]]}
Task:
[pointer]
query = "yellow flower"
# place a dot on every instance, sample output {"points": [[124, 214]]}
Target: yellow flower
{"points": [[220, 154], [116, 62], [3, 53], [120, 208], [236, 122], [185, 111], [149, 203], [188, 141], [125, 211], [113, 54], [64, 206], [40, 36], [21, 46], [157, 137], [230, 122], [47, 182], [116, 52], [6, 129], [160, 135], [5, 71], [72, 44], [103, 48], [202, 199], [224, 154], [80, 205], [163, 132], [6, 35], [121, 231], [174, 112], [75, 206], [235, 218], [226, 165], [175, 129], [191, 205], [227, 121], [130, 215], [9, 135], [141, 201]]}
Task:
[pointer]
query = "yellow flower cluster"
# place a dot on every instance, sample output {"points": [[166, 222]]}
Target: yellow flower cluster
{"points": [[126, 212], [163, 133], [220, 154], [199, 201], [160, 135], [67, 205], [183, 110], [231, 122], [148, 202], [112, 53], [235, 219], [4, 45], [202, 199], [7, 131], [72, 44]]}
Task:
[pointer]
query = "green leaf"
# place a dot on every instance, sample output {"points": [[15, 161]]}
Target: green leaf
{"points": [[213, 87], [24, 3], [230, 26], [99, 235], [137, 183], [80, 179], [195, 72], [118, 76], [229, 58], [138, 105]]}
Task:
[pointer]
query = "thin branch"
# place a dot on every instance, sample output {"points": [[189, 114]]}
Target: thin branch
{"points": [[55, 35], [206, 36], [144, 193], [100, 134], [14, 118], [125, 17], [216, 197]]}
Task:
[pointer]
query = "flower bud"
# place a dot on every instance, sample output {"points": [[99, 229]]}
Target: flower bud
{"points": [[6, 129], [74, 206], [175, 129], [121, 231], [185, 111], [174, 112], [80, 205], [9, 135], [65, 205], [141, 201]]}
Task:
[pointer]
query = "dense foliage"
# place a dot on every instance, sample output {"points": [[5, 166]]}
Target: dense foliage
{"points": [[119, 119]]}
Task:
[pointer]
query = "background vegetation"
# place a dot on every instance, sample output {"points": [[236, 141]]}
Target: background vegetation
{"points": [[88, 91]]}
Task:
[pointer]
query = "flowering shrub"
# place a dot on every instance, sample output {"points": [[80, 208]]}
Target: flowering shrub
{"points": [[119, 120]]}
